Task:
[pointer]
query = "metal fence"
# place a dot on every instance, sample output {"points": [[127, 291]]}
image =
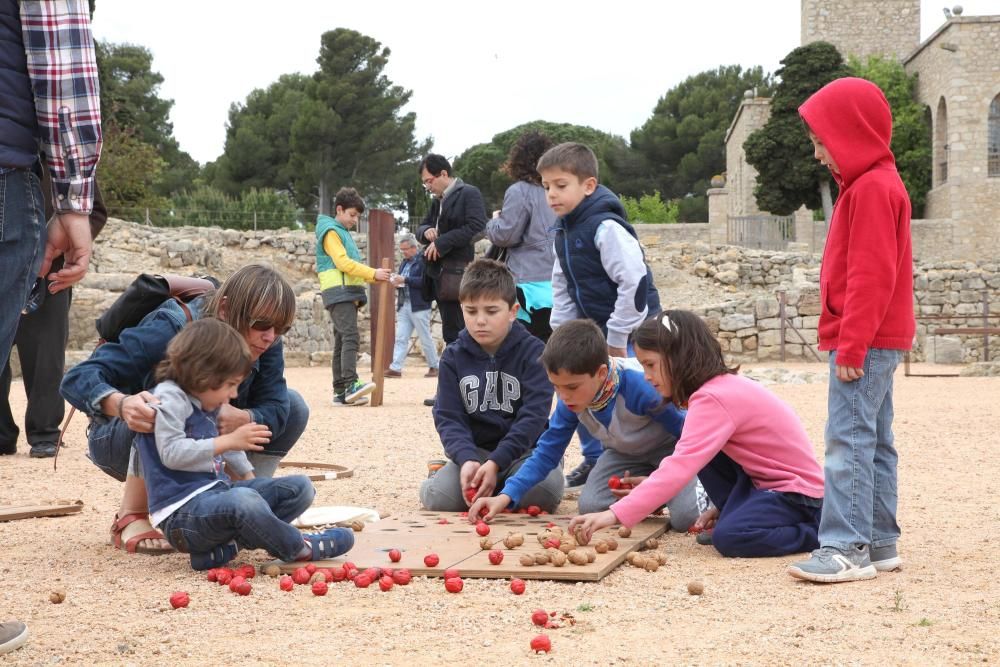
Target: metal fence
{"points": [[765, 232]]}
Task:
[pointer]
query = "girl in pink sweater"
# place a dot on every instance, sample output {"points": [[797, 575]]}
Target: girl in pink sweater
{"points": [[746, 446]]}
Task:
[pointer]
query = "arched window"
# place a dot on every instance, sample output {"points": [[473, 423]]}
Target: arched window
{"points": [[993, 139], [941, 143]]}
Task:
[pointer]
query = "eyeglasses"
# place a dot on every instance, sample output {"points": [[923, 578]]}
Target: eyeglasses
{"points": [[430, 179], [668, 324], [264, 325]]}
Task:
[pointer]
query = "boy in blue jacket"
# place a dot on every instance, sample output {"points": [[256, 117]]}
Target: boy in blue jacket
{"points": [[601, 272], [493, 398], [610, 398]]}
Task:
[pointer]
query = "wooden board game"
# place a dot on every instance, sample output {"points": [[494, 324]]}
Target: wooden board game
{"points": [[457, 545]]}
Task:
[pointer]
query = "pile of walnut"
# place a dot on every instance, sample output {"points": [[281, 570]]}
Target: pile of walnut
{"points": [[560, 547]]}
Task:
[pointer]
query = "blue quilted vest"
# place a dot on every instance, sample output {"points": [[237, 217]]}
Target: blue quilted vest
{"points": [[18, 124], [586, 281], [165, 486]]}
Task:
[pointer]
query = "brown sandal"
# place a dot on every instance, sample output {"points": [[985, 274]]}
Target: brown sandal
{"points": [[132, 544]]}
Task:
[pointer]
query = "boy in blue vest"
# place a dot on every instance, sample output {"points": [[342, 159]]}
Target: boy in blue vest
{"points": [[190, 469], [493, 398], [601, 273], [342, 278]]}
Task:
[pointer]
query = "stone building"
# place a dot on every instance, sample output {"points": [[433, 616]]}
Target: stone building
{"points": [[958, 70]]}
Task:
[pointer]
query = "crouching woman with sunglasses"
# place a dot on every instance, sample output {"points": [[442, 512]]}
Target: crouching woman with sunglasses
{"points": [[111, 387]]}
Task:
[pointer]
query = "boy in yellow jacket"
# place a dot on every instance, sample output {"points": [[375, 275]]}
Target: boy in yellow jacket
{"points": [[342, 278]]}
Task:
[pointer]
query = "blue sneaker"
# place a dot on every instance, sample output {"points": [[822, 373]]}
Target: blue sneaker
{"points": [[829, 565], [217, 557], [329, 544]]}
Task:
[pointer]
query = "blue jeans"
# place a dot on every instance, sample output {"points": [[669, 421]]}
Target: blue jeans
{"points": [[756, 523], [859, 505], [406, 322], [255, 513], [109, 441], [22, 240]]}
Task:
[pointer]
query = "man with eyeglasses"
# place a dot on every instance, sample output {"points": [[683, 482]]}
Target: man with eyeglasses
{"points": [[456, 220]]}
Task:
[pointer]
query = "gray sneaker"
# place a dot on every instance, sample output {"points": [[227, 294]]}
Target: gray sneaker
{"points": [[13, 634], [885, 559], [829, 565]]}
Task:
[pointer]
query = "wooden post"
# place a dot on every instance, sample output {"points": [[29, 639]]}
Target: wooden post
{"points": [[382, 318]]}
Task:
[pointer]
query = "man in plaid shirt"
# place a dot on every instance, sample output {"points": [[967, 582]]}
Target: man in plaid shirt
{"points": [[49, 103]]}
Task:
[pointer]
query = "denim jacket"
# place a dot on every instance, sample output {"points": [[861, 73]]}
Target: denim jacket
{"points": [[129, 366]]}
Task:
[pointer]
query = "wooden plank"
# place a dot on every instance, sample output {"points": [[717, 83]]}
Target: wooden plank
{"points": [[457, 545], [15, 512], [383, 315]]}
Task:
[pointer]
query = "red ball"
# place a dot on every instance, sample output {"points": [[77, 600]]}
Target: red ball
{"points": [[517, 586], [496, 557], [451, 573], [431, 560], [179, 599], [453, 585], [534, 510], [539, 617], [614, 482], [319, 588], [362, 581], [483, 528], [395, 555], [385, 583], [285, 583], [301, 576], [541, 644], [402, 576]]}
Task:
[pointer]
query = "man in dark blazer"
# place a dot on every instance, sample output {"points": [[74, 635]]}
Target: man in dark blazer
{"points": [[457, 218]]}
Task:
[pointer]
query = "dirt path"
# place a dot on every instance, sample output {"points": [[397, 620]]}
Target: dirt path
{"points": [[944, 608]]}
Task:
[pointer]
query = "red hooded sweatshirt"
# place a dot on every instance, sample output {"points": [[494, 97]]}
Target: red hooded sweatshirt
{"points": [[866, 279]]}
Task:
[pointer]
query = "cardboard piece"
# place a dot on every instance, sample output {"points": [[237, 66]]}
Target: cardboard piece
{"points": [[457, 545], [330, 470]]}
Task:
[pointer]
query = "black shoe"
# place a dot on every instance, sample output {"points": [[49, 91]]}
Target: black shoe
{"points": [[704, 538], [43, 450], [578, 477], [429, 402], [8, 450]]}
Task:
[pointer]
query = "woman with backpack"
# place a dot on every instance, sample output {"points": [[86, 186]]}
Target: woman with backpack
{"points": [[112, 388]]}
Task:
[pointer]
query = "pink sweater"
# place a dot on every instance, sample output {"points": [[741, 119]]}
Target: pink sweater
{"points": [[755, 428]]}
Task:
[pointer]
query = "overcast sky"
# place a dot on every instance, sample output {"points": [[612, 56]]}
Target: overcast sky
{"points": [[475, 69]]}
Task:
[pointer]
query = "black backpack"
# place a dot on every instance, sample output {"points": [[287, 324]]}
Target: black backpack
{"points": [[144, 295]]}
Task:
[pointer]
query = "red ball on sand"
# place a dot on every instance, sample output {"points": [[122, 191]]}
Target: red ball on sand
{"points": [[362, 581], [453, 585], [401, 576], [301, 576], [517, 586], [285, 583], [385, 583], [319, 588], [451, 573], [541, 644], [244, 588], [539, 617], [179, 599]]}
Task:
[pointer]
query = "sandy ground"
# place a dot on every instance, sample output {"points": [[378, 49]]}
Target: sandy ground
{"points": [[944, 608]]}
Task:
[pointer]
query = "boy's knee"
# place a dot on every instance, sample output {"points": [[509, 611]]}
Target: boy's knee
{"points": [[547, 495], [730, 543], [591, 502], [435, 498]]}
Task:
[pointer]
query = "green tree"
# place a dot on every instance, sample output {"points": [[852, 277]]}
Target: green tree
{"points": [[620, 168], [130, 100], [258, 139], [911, 129], [128, 171], [252, 209], [683, 142], [351, 129], [788, 175], [651, 209]]}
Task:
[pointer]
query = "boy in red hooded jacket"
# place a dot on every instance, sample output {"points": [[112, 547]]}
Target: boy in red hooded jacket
{"points": [[866, 288]]}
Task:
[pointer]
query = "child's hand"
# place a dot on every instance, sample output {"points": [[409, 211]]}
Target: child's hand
{"points": [[466, 473], [382, 275], [494, 505], [706, 520], [849, 374], [631, 481], [617, 352], [247, 438], [584, 526], [485, 480]]}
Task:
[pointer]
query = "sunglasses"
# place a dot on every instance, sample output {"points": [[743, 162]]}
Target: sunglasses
{"points": [[264, 325], [668, 324]]}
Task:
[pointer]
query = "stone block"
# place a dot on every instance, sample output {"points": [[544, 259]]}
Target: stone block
{"points": [[769, 323], [945, 350], [764, 308], [769, 338], [750, 344], [727, 277], [809, 304], [736, 322]]}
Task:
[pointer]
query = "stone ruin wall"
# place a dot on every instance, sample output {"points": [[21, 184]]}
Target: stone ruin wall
{"points": [[747, 325]]}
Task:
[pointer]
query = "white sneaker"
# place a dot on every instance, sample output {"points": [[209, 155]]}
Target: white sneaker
{"points": [[829, 565]]}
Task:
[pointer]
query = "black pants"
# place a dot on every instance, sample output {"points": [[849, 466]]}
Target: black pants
{"points": [[41, 346], [451, 320]]}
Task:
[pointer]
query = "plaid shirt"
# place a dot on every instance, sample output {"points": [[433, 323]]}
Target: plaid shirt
{"points": [[63, 72]]}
